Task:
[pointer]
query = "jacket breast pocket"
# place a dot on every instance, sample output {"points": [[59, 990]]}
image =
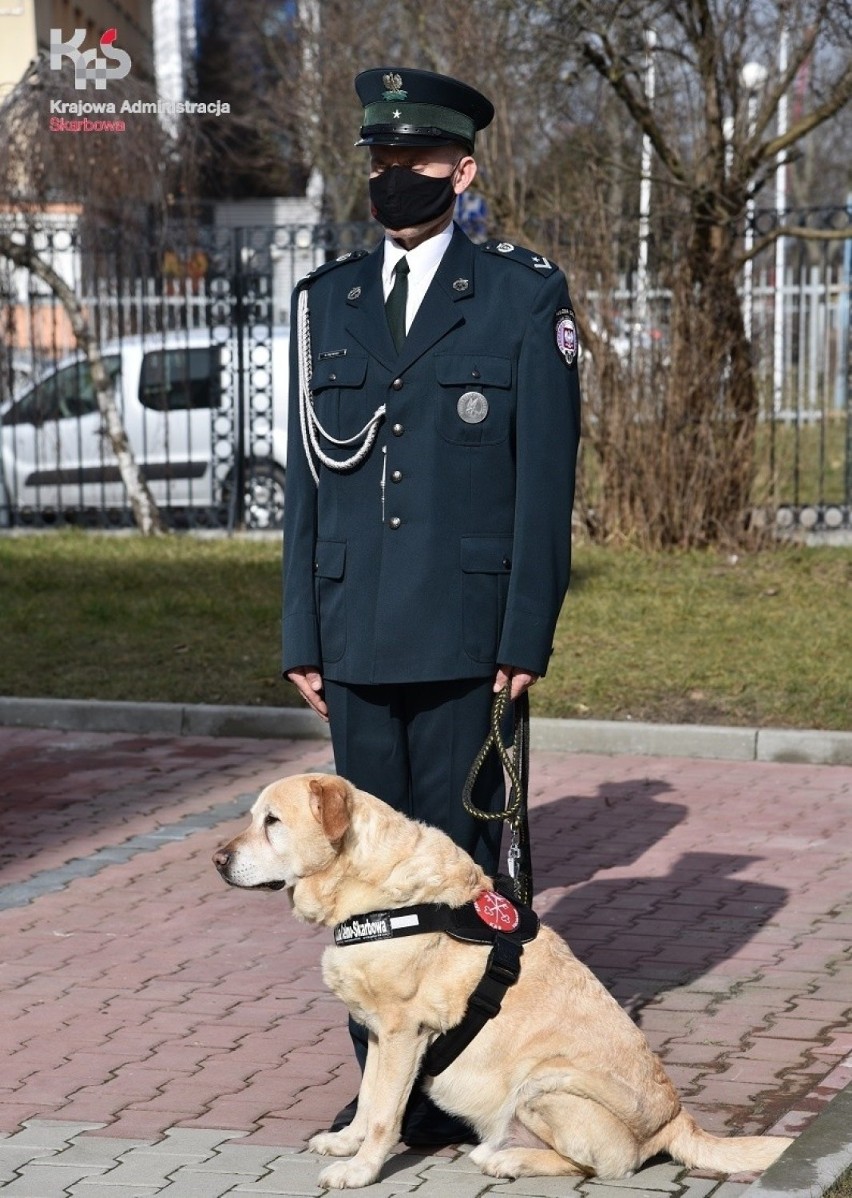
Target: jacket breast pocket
{"points": [[475, 398], [486, 564], [330, 591], [339, 395]]}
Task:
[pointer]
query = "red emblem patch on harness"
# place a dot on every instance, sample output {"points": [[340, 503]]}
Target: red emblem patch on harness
{"points": [[497, 912]]}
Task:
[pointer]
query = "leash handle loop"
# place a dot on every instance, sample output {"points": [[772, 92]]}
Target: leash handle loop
{"points": [[515, 762]]}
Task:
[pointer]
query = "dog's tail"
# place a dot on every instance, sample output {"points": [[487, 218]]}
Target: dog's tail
{"points": [[684, 1140]]}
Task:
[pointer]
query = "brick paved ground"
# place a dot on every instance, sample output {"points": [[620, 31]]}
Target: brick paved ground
{"points": [[160, 1029]]}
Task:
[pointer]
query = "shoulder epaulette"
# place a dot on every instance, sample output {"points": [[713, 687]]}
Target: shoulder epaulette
{"points": [[324, 267], [517, 253]]}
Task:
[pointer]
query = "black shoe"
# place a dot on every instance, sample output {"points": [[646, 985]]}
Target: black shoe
{"points": [[425, 1125], [344, 1118], [439, 1137]]}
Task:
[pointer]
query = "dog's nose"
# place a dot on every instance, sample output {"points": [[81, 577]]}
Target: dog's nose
{"points": [[221, 859]]}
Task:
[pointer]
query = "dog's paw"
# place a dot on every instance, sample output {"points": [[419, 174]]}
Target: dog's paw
{"points": [[480, 1154], [336, 1143], [348, 1175], [506, 1163]]}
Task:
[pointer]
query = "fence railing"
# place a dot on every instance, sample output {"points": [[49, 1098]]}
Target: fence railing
{"points": [[216, 300]]}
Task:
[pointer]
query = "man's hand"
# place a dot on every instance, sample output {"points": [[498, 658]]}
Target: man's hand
{"points": [[308, 682], [521, 680]]}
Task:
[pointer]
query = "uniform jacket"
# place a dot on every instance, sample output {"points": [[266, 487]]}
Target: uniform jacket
{"points": [[446, 551]]}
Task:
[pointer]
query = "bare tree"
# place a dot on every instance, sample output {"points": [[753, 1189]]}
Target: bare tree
{"points": [[249, 54], [23, 254], [716, 137], [47, 156]]}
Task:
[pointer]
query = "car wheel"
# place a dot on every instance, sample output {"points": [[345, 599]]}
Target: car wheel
{"points": [[264, 496]]}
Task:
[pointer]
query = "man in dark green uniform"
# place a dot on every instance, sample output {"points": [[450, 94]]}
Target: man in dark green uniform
{"points": [[433, 431]]}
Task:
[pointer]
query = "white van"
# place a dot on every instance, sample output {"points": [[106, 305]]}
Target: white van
{"points": [[178, 397]]}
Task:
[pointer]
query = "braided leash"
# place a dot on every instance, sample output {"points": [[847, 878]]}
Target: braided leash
{"points": [[516, 763]]}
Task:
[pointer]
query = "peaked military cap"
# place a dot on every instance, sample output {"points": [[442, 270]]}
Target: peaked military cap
{"points": [[407, 107]]}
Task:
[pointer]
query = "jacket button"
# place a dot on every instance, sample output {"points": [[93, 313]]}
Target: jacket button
{"points": [[507, 563], [398, 430], [332, 378], [316, 567], [394, 522], [397, 384], [396, 477], [474, 374]]}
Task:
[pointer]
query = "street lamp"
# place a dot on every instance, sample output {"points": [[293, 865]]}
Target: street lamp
{"points": [[780, 249], [645, 192], [754, 75]]}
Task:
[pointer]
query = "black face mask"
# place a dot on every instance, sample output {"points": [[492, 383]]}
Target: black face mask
{"points": [[401, 198]]}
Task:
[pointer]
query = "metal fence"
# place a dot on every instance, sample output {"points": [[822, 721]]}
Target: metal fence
{"points": [[803, 377], [193, 322], [193, 326]]}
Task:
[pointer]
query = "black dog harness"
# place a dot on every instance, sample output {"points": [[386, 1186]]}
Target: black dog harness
{"points": [[490, 919]]}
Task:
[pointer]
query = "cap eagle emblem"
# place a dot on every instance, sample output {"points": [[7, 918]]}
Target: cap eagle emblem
{"points": [[393, 87]]}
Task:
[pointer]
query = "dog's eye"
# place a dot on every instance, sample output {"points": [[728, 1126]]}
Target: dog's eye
{"points": [[270, 820]]}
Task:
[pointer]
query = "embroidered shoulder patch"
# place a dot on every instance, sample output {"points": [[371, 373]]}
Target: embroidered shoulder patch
{"points": [[517, 253], [565, 329]]}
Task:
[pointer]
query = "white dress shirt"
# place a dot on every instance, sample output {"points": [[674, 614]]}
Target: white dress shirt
{"points": [[423, 261]]}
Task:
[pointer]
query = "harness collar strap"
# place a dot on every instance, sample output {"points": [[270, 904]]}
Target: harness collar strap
{"points": [[501, 972], [387, 925], [478, 922], [492, 918]]}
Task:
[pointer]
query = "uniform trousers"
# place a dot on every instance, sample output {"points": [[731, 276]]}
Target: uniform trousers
{"points": [[412, 745]]}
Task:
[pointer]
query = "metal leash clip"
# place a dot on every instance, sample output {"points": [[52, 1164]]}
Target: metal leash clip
{"points": [[513, 856]]}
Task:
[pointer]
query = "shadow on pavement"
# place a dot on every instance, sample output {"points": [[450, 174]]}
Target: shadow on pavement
{"points": [[642, 933]]}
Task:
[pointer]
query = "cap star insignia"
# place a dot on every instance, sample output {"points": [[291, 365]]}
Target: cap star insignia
{"points": [[396, 114]]}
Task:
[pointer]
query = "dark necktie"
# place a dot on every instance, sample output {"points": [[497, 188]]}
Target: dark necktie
{"points": [[396, 303]]}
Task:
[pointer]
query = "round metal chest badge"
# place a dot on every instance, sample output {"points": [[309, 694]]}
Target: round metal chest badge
{"points": [[472, 407], [566, 335], [496, 911]]}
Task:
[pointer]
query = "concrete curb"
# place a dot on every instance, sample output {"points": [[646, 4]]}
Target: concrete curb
{"points": [[608, 737], [815, 1159]]}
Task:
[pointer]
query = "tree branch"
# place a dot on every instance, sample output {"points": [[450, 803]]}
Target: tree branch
{"points": [[613, 71], [838, 99], [799, 231]]}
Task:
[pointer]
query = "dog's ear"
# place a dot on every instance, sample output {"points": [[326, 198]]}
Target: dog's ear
{"points": [[330, 805]]}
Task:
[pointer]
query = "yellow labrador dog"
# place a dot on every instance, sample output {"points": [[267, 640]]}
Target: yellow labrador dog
{"points": [[559, 1082]]}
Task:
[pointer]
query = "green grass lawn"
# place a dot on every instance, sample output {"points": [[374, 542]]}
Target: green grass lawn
{"points": [[842, 1188], [697, 638]]}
